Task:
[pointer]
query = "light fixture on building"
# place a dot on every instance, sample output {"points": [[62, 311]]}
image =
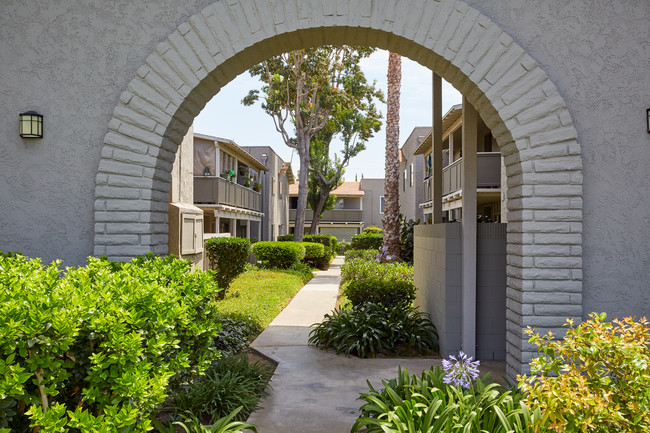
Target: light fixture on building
{"points": [[31, 125], [264, 158], [647, 112]]}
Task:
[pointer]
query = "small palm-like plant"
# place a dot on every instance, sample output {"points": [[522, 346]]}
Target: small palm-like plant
{"points": [[426, 403], [369, 329], [222, 425]]}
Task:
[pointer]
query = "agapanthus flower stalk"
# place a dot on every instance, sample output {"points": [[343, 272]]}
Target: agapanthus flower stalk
{"points": [[461, 370]]}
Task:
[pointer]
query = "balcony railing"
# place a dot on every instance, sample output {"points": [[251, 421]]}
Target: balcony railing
{"points": [[216, 190], [335, 215], [488, 174]]}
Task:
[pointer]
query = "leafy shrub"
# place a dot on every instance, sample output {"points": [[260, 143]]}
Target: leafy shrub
{"points": [[330, 243], [285, 238], [367, 241], [229, 383], [406, 239], [596, 379], [344, 246], [426, 403], [373, 229], [237, 331], [313, 250], [279, 254], [228, 257], [361, 254], [369, 329], [389, 284], [94, 348]]}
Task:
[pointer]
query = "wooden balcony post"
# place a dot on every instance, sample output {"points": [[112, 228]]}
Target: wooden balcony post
{"points": [[468, 295]]}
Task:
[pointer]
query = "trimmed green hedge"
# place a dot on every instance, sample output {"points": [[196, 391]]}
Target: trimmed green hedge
{"points": [[330, 242], [285, 238], [388, 284], [99, 344], [278, 254], [367, 241], [373, 229], [313, 250], [228, 257]]}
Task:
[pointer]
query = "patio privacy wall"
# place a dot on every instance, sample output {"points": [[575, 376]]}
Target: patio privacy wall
{"points": [[438, 277]]}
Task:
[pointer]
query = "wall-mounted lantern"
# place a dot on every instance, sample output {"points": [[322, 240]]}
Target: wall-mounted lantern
{"points": [[31, 125], [647, 115]]}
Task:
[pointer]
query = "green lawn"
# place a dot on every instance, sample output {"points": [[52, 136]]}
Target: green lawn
{"points": [[261, 294]]}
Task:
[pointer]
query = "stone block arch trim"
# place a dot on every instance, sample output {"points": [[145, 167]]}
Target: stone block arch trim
{"points": [[511, 92]]}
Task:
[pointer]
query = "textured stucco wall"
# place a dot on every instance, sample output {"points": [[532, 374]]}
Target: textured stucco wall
{"points": [[71, 61], [598, 55], [373, 190]]}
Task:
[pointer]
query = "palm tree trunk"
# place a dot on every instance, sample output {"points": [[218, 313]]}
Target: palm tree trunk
{"points": [[391, 183]]}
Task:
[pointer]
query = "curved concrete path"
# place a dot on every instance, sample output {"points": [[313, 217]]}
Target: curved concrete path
{"points": [[313, 390]]}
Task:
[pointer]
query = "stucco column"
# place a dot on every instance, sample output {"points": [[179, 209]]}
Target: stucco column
{"points": [[468, 298], [436, 154], [248, 229], [259, 229], [233, 227]]}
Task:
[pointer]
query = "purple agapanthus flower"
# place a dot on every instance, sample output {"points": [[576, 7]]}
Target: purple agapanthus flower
{"points": [[461, 370]]}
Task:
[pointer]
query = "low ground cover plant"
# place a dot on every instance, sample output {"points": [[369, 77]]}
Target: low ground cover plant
{"points": [[94, 348], [596, 379], [370, 254], [438, 401], [276, 254], [371, 329], [388, 284], [228, 257]]}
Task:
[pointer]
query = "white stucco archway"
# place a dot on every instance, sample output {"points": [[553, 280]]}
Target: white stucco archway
{"points": [[513, 95]]}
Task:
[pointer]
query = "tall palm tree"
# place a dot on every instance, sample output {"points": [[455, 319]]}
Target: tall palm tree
{"points": [[391, 242]]}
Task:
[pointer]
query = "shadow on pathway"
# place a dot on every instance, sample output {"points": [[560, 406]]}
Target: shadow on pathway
{"points": [[313, 390]]}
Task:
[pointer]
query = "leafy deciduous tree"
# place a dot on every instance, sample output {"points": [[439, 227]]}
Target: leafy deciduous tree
{"points": [[315, 88]]}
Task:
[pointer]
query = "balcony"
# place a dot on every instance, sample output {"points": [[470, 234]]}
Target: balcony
{"points": [[335, 215], [488, 166], [216, 190]]}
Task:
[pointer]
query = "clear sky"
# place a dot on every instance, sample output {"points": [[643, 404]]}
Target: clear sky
{"points": [[225, 116]]}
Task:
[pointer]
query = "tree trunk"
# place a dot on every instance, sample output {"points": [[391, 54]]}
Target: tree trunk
{"points": [[391, 185], [303, 185], [322, 199]]}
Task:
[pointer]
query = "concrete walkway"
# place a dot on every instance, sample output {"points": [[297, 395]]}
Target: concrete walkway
{"points": [[314, 390]]}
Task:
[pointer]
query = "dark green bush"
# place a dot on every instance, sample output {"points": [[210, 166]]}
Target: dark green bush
{"points": [[406, 239], [389, 284], [279, 254], [373, 229], [361, 254], [229, 383], [367, 241], [370, 329], [228, 257], [103, 341], [236, 333], [285, 238]]}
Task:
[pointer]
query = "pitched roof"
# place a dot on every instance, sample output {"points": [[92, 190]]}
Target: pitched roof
{"points": [[286, 169], [347, 189]]}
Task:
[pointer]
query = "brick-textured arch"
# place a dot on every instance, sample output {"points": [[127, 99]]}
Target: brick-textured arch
{"points": [[513, 95]]}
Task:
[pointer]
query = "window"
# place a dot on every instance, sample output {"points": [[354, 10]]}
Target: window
{"points": [[404, 181], [293, 202], [382, 203], [411, 175]]}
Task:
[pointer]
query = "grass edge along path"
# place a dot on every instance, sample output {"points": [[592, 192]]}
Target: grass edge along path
{"points": [[261, 294]]}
